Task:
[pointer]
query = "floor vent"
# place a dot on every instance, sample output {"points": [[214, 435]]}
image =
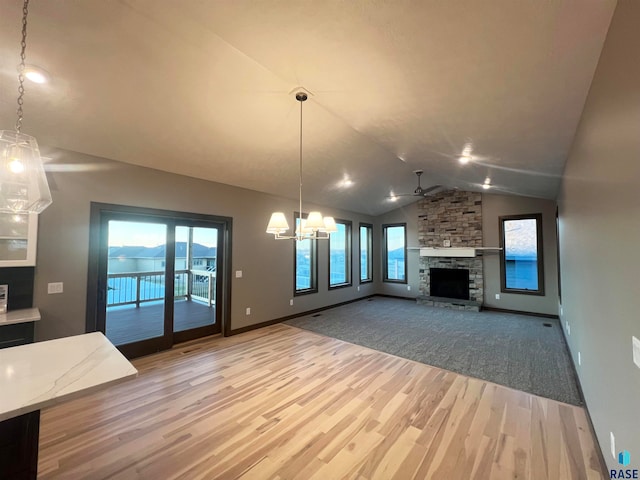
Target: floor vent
{"points": [[547, 325]]}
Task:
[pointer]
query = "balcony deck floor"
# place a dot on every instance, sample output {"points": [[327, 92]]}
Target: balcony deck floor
{"points": [[128, 323]]}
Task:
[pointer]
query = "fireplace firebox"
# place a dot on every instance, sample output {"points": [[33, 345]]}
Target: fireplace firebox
{"points": [[449, 283]]}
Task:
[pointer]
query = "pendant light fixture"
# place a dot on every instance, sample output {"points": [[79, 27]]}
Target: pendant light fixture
{"points": [[315, 226], [23, 183]]}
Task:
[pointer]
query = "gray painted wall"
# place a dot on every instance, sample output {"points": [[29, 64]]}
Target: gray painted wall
{"points": [[495, 206], [267, 264], [599, 237]]}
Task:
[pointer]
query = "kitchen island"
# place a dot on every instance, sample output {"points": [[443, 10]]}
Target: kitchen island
{"points": [[42, 374]]}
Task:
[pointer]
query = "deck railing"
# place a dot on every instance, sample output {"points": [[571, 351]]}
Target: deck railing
{"points": [[140, 287], [203, 286]]}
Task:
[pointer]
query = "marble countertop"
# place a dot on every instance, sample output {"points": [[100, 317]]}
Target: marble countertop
{"points": [[20, 316], [42, 374]]}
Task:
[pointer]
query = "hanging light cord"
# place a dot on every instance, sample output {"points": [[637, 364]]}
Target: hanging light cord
{"points": [[25, 12], [300, 210]]}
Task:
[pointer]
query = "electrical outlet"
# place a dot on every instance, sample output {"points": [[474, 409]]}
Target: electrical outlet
{"points": [[56, 287], [561, 310], [579, 356], [613, 446], [238, 273], [358, 288], [636, 351], [291, 302], [409, 287], [497, 296], [566, 323], [248, 311]]}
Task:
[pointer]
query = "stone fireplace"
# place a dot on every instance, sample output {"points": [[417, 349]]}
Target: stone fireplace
{"points": [[451, 218]]}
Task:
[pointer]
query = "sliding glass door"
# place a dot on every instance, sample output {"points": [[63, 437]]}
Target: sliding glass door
{"points": [[136, 281], [195, 269], [159, 279]]}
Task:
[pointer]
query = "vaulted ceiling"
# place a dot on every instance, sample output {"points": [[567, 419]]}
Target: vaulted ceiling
{"points": [[205, 89]]}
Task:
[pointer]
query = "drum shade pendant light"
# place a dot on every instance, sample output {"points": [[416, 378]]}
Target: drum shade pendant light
{"points": [[23, 183], [315, 226]]}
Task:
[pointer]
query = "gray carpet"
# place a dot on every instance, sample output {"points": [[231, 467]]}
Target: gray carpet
{"points": [[517, 351]]}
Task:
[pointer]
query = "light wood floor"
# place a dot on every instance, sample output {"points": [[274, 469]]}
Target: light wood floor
{"points": [[286, 403]]}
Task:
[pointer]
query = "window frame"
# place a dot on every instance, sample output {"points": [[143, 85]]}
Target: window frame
{"points": [[313, 263], [369, 228], [539, 249], [385, 254], [348, 248], [558, 255]]}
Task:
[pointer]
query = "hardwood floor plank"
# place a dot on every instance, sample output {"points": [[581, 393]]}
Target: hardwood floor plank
{"points": [[393, 461], [283, 403]]}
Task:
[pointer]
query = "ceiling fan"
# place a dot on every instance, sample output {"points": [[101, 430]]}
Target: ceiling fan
{"points": [[419, 191]]}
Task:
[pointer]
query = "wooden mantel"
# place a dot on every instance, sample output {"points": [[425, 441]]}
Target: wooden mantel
{"points": [[456, 251]]}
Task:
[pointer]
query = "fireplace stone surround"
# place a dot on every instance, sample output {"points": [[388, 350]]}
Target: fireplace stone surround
{"points": [[456, 217]]}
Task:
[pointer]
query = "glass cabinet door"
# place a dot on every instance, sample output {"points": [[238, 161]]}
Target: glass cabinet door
{"points": [[18, 234]]}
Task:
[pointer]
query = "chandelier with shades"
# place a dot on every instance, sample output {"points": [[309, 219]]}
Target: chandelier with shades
{"points": [[315, 226], [23, 183]]}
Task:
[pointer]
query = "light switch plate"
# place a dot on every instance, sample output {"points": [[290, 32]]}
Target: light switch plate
{"points": [[238, 273], [636, 351], [55, 287]]}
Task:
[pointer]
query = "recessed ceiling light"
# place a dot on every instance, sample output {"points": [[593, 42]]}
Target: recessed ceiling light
{"points": [[344, 182], [486, 186], [465, 157], [36, 74], [393, 198]]}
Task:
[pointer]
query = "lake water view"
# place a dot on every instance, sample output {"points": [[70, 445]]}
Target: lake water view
{"points": [[522, 274]]}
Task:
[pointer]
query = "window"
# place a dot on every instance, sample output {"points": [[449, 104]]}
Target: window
{"points": [[366, 237], [340, 255], [395, 253], [305, 264], [521, 257]]}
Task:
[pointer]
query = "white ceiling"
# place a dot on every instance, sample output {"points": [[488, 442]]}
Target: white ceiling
{"points": [[203, 88]]}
